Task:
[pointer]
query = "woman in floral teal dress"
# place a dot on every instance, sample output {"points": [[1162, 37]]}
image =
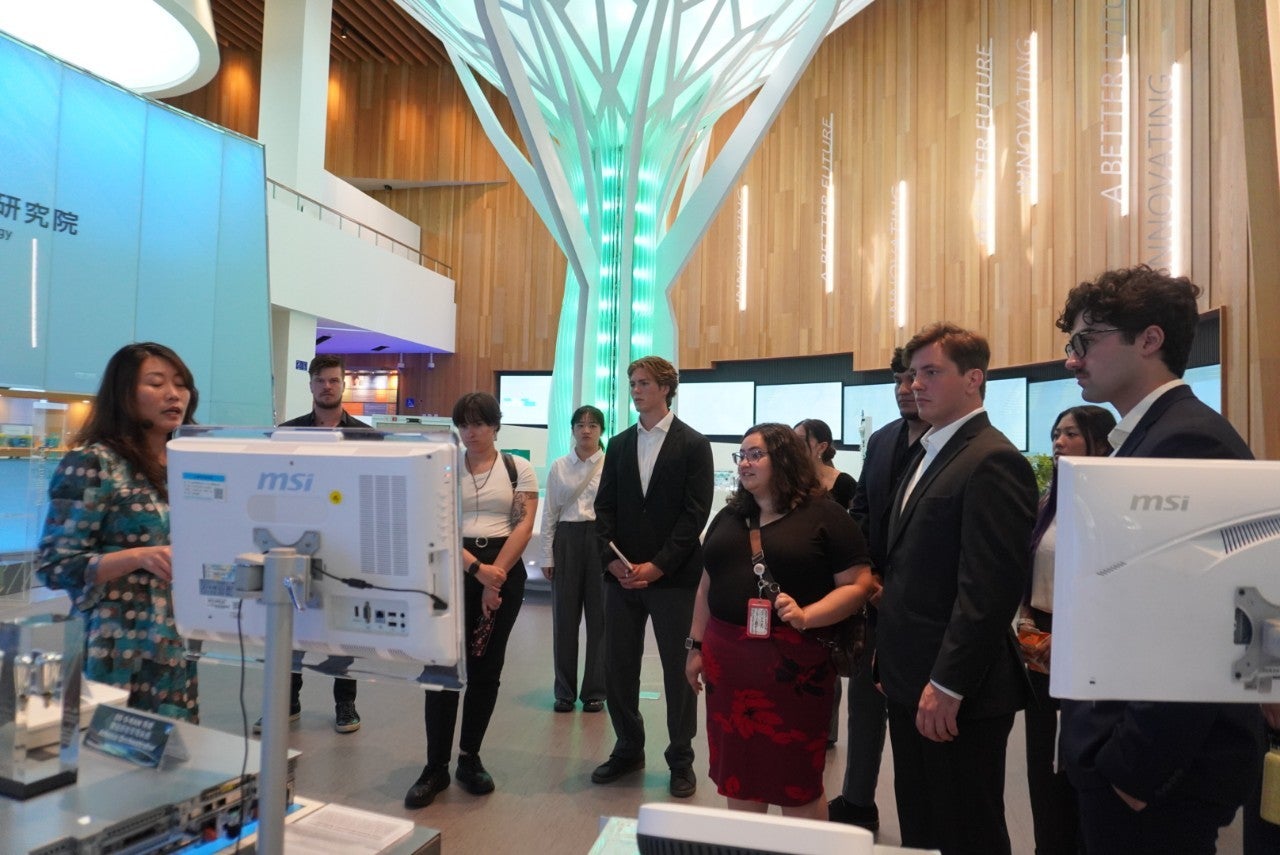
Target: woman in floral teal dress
{"points": [[106, 537]]}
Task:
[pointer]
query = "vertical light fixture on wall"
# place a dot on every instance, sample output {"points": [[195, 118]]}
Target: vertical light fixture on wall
{"points": [[900, 253], [829, 204], [1125, 118], [991, 188], [1033, 152], [35, 294], [744, 219], [1176, 213]]}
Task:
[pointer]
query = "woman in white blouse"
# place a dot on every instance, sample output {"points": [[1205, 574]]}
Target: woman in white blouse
{"points": [[499, 501], [571, 561]]}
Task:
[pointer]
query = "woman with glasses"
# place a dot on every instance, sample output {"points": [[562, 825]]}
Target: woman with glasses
{"points": [[499, 500], [768, 679], [571, 561], [1078, 431]]}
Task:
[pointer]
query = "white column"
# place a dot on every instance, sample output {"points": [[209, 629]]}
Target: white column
{"points": [[293, 340], [294, 93]]}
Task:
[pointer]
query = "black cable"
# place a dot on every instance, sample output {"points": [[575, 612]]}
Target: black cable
{"points": [[244, 731], [361, 583]]}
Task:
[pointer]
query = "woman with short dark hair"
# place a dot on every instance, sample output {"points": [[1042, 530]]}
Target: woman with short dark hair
{"points": [[499, 501], [106, 535]]}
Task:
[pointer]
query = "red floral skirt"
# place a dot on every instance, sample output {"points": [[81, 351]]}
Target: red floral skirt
{"points": [[768, 711]]}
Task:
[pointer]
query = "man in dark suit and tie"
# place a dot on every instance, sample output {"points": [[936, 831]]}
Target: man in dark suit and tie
{"points": [[887, 454], [956, 566], [653, 502], [1152, 777]]}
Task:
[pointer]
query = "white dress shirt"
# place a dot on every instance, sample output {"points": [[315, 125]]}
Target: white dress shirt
{"points": [[648, 444], [566, 476]]}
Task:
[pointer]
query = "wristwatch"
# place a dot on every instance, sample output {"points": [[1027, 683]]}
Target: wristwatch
{"points": [[692, 643], [473, 568]]}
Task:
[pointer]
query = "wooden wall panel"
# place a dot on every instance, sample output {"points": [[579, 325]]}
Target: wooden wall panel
{"points": [[901, 82], [231, 98]]}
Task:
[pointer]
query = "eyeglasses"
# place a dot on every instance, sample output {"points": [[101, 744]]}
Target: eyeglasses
{"points": [[1078, 345], [752, 456]]}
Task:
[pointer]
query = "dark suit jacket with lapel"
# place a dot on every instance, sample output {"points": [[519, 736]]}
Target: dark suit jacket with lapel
{"points": [[664, 526], [874, 495], [1205, 751], [958, 560]]}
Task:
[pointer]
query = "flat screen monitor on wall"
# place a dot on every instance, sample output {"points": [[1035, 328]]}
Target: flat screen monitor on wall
{"points": [[793, 402], [1006, 405], [525, 399], [877, 403], [382, 512], [717, 409]]}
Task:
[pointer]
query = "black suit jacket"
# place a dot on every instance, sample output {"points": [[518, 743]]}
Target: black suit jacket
{"points": [[873, 497], [957, 563], [1150, 749], [665, 525]]}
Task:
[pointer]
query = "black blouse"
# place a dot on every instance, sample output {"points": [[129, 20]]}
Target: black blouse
{"points": [[803, 549]]}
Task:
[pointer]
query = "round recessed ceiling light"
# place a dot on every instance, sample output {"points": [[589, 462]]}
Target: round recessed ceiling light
{"points": [[153, 47]]}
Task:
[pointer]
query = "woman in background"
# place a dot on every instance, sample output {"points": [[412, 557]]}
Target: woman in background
{"points": [[769, 698], [571, 561], [106, 536], [1078, 431], [499, 501], [839, 486]]}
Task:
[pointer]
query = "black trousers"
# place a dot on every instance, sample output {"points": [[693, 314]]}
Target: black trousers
{"points": [[344, 689], [440, 709], [951, 794], [868, 719], [1182, 826], [1055, 815], [625, 614]]}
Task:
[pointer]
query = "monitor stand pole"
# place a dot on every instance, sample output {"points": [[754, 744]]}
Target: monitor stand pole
{"points": [[284, 569]]}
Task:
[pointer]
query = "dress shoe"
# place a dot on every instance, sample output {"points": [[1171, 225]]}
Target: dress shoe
{"points": [[433, 780], [593, 706], [683, 783], [614, 768], [563, 706], [472, 775], [841, 809]]}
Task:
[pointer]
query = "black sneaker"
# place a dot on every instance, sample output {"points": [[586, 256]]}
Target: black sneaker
{"points": [[346, 719], [841, 809], [295, 713], [433, 780], [472, 775]]}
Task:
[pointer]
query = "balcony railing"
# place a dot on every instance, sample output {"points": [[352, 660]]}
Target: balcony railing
{"points": [[325, 214]]}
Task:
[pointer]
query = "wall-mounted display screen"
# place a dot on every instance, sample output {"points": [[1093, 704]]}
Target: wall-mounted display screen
{"points": [[1006, 404], [717, 409], [868, 408], [792, 402], [525, 399]]}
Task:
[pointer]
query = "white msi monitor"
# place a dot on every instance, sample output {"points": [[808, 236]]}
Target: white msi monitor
{"points": [[379, 509], [667, 829], [1167, 580]]}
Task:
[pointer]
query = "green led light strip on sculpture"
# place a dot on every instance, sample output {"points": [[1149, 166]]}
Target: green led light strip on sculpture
{"points": [[615, 102]]}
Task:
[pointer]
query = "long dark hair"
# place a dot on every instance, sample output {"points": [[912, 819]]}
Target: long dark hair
{"points": [[794, 478], [114, 420], [1094, 424]]}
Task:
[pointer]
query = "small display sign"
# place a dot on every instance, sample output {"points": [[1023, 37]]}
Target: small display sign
{"points": [[134, 736]]}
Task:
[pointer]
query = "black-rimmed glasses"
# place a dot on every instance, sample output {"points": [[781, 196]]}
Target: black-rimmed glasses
{"points": [[1078, 345]]}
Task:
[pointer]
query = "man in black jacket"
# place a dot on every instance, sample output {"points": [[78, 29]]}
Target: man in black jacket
{"points": [[1153, 777], [653, 502], [885, 458]]}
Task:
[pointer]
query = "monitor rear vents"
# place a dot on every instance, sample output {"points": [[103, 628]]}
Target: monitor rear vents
{"points": [[1247, 534], [384, 526]]}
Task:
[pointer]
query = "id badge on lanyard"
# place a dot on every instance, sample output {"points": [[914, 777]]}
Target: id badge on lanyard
{"points": [[759, 610]]}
